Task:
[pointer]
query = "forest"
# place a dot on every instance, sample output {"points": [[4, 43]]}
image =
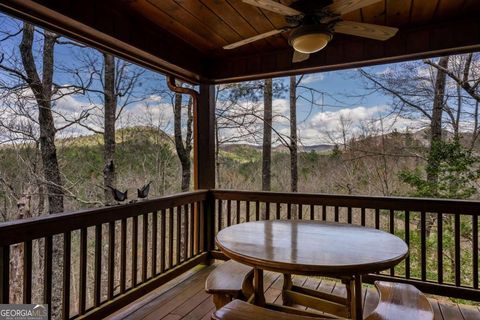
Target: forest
{"points": [[76, 122]]}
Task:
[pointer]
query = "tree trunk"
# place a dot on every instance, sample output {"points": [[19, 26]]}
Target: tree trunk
{"points": [[110, 112], [436, 124], [267, 135], [42, 90], [293, 135], [183, 150]]}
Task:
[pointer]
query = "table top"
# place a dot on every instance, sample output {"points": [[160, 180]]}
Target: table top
{"points": [[311, 247]]}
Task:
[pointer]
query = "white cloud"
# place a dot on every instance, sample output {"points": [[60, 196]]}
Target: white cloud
{"points": [[312, 78], [330, 126]]}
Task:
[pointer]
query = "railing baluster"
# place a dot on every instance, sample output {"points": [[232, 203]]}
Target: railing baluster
{"points": [[185, 237], [257, 210], [83, 271], [247, 217], [179, 235], [98, 265], [457, 250], [324, 213], [312, 212], [170, 238], [336, 214], [229, 213], [278, 211], [267, 210], [154, 244], [289, 211], [440, 247], [111, 260], [4, 274], [392, 231], [144, 246], [349, 214], [238, 211], [123, 255], [162, 240], [475, 250], [300, 212], [220, 213], [362, 217], [407, 241], [192, 229], [134, 250], [27, 272], [47, 269], [201, 226], [67, 249], [423, 245], [377, 218]]}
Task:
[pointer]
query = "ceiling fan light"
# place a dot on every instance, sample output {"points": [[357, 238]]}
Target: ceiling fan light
{"points": [[310, 38], [310, 43]]}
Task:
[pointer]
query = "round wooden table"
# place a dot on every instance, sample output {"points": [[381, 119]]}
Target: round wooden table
{"points": [[313, 248]]}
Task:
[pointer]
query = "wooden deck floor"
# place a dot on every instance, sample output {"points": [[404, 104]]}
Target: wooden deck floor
{"points": [[185, 298]]}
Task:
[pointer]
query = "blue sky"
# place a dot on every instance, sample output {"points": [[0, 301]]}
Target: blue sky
{"points": [[345, 97]]}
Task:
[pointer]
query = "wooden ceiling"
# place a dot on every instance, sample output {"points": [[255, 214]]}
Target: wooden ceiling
{"points": [[211, 24], [185, 37]]}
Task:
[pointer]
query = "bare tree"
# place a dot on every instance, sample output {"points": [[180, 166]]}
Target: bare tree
{"points": [[110, 113], [267, 135], [293, 147], [437, 113], [184, 148], [42, 89], [116, 83]]}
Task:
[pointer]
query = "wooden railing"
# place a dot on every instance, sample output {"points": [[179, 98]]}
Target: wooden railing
{"points": [[442, 234], [88, 264]]}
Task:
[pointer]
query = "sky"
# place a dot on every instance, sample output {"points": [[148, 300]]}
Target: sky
{"points": [[340, 97]]}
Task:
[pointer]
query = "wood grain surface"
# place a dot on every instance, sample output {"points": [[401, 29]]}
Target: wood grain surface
{"points": [[311, 247]]}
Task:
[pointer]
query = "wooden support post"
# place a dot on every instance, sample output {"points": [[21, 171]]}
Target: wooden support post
{"points": [[4, 274], [204, 144], [259, 296], [358, 312], [287, 285], [204, 158]]}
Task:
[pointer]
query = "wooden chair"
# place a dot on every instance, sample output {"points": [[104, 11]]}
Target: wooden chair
{"points": [[240, 310], [230, 280], [400, 301]]}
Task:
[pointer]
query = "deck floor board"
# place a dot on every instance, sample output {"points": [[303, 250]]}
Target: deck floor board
{"points": [[185, 299]]}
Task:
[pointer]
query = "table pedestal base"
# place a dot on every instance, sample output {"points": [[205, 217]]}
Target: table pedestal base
{"points": [[350, 307]]}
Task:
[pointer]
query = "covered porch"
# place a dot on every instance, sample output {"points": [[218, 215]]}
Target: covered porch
{"points": [[185, 298], [149, 259]]}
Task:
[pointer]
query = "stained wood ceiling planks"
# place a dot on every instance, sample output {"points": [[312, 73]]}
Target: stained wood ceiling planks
{"points": [[185, 37]]}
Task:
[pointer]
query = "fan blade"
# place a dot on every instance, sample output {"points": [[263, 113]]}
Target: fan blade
{"points": [[299, 56], [254, 38], [366, 30], [345, 6], [273, 6]]}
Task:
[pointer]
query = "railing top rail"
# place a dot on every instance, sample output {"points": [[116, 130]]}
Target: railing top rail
{"points": [[470, 207], [37, 227]]}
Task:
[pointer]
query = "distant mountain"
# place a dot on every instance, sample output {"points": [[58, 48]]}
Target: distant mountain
{"points": [[280, 148]]}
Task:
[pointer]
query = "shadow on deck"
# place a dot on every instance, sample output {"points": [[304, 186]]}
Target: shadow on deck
{"points": [[185, 298]]}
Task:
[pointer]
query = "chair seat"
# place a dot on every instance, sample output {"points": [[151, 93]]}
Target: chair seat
{"points": [[400, 301], [240, 310], [229, 278]]}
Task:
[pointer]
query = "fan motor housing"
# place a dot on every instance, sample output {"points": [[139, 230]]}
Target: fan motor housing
{"points": [[309, 6]]}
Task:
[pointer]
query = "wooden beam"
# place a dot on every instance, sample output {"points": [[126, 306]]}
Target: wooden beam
{"points": [[204, 167], [102, 24], [343, 52]]}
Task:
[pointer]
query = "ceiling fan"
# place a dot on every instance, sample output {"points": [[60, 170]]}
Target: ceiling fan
{"points": [[312, 24]]}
